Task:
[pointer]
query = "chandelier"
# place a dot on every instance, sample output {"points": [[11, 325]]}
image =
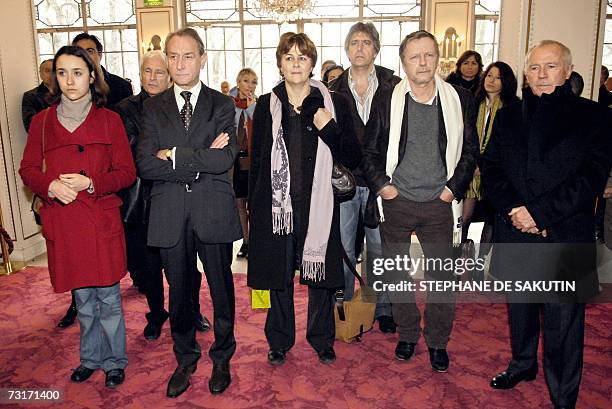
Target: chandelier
{"points": [[284, 10]]}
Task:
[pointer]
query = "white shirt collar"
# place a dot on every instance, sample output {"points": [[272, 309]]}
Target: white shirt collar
{"points": [[195, 93], [428, 102]]}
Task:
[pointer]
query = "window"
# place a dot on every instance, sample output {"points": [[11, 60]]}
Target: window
{"points": [[607, 48], [112, 21], [238, 35], [486, 40]]}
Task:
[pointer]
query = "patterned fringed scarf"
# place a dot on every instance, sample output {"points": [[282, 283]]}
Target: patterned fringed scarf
{"points": [[321, 199]]}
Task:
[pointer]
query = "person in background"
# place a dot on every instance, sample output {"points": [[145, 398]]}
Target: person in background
{"points": [[362, 84], [605, 96], [497, 89], [331, 73], [299, 130], [325, 65], [576, 83], [34, 101], [119, 87], [467, 71], [245, 101], [76, 158], [144, 262], [225, 88]]}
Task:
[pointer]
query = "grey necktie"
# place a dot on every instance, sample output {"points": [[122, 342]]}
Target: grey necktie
{"points": [[187, 109]]}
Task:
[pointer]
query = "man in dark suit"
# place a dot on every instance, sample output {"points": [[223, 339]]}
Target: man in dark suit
{"points": [[188, 146], [33, 101], [144, 262], [547, 160], [119, 87]]}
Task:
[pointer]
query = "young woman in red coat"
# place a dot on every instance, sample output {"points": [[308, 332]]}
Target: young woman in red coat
{"points": [[76, 158]]}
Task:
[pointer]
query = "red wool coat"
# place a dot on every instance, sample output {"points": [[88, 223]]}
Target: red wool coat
{"points": [[85, 240]]}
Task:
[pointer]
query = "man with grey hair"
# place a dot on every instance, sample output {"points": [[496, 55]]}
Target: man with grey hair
{"points": [[362, 83], [547, 160], [419, 158], [187, 148], [144, 262]]}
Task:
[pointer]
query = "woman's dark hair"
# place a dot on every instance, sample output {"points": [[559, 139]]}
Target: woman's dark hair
{"points": [[99, 88], [328, 70], [508, 80], [467, 54]]}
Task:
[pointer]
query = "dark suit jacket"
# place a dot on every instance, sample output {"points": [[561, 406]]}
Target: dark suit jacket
{"points": [[33, 102], [375, 148], [135, 208], [119, 89], [552, 155], [213, 209]]}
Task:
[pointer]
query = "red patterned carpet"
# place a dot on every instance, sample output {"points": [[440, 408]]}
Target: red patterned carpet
{"points": [[36, 354]]}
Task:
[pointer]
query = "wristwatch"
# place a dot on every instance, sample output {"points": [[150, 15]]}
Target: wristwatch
{"points": [[169, 155]]}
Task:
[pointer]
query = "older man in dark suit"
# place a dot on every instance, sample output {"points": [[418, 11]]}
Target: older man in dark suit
{"points": [[188, 146], [548, 159]]}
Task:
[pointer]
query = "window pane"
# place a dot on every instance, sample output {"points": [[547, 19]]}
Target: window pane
{"points": [[232, 38], [54, 13], [486, 51], [251, 36], [389, 57], [105, 12], [233, 64], [131, 69], [487, 7], [331, 34], [113, 63], [270, 74], [485, 31], [313, 31], [269, 35], [392, 7], [215, 38], [216, 68], [59, 40], [130, 41], [206, 10], [45, 43], [112, 40], [252, 59], [337, 8], [607, 56]]}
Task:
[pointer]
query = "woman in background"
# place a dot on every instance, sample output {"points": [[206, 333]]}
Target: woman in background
{"points": [[497, 88], [76, 158], [245, 101], [331, 73], [468, 71]]}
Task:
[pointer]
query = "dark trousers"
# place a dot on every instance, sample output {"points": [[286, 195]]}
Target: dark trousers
{"points": [[280, 322], [182, 275], [433, 223], [144, 262], [563, 345]]}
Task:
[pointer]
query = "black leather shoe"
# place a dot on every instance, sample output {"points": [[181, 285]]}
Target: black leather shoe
{"points": [[509, 379], [404, 350], [276, 357], [244, 251], [152, 331], [114, 378], [439, 359], [386, 324], [179, 381], [565, 407], [220, 378], [81, 374], [327, 356], [201, 323], [68, 319]]}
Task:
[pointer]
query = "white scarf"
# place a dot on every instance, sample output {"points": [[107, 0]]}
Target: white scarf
{"points": [[453, 123]]}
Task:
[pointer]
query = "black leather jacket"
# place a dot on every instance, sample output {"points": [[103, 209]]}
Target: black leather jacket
{"points": [[135, 208]]}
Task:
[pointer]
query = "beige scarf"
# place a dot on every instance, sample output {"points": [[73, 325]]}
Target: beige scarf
{"points": [[72, 114]]}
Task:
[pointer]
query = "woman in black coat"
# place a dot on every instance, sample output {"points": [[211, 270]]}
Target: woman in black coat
{"points": [[296, 136]]}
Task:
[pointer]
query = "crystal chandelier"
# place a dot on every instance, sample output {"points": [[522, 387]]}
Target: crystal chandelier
{"points": [[284, 10]]}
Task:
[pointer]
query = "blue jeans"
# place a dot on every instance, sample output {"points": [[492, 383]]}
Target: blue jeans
{"points": [[349, 217], [102, 327]]}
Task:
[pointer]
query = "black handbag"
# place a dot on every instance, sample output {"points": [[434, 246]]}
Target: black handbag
{"points": [[343, 183]]}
